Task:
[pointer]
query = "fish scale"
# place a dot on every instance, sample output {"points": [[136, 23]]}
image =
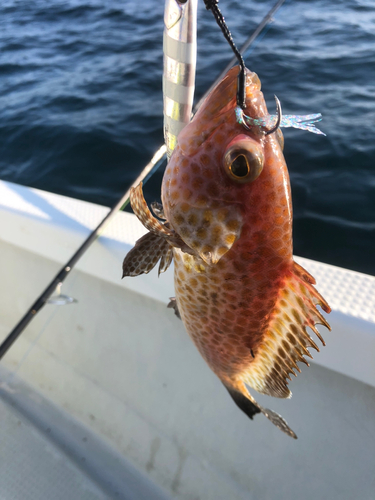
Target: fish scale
{"points": [[243, 300]]}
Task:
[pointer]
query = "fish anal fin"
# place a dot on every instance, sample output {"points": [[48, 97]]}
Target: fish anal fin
{"points": [[286, 341], [250, 407], [143, 257]]}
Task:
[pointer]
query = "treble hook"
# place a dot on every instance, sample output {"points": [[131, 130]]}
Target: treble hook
{"points": [[303, 122], [241, 80], [247, 122]]}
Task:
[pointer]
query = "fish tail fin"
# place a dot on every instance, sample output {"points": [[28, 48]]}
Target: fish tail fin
{"points": [[250, 407]]}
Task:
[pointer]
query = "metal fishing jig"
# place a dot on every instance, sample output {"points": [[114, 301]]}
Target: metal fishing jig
{"points": [[180, 54]]}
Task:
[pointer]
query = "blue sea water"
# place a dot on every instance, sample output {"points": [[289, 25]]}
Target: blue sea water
{"points": [[81, 103]]}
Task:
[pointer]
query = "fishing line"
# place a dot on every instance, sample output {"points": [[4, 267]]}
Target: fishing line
{"points": [[65, 270], [257, 35], [241, 86], [146, 173]]}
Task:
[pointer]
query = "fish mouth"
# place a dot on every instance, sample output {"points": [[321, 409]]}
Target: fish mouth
{"points": [[209, 231]]}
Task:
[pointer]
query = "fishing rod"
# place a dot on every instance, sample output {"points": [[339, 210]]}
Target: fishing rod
{"points": [[146, 173], [65, 270]]}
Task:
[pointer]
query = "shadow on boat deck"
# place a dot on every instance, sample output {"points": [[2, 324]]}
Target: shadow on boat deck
{"points": [[45, 454]]}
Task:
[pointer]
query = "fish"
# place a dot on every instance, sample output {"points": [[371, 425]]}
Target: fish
{"points": [[226, 222]]}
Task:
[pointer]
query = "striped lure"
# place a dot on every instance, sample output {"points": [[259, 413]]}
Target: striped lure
{"points": [[180, 54]]}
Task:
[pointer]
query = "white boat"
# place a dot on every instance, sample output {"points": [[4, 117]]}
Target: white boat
{"points": [[107, 397]]}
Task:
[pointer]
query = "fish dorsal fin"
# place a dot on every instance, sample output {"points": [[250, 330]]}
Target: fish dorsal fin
{"points": [[144, 256], [163, 230], [141, 210], [285, 342]]}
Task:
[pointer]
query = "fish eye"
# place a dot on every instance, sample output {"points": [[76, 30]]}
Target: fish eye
{"points": [[243, 162], [240, 167]]}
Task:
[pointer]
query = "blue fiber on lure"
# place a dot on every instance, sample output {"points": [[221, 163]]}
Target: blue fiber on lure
{"points": [[303, 122]]}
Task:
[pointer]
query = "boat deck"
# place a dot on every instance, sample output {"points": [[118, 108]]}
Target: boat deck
{"points": [[118, 398], [45, 454]]}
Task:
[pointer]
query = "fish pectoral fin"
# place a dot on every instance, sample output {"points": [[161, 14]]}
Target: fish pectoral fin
{"points": [[250, 407], [145, 254], [213, 232]]}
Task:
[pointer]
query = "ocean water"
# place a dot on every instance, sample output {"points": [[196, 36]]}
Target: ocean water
{"points": [[81, 103]]}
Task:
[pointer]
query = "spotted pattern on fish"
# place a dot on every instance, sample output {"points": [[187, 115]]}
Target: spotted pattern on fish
{"points": [[210, 230], [163, 230], [243, 300]]}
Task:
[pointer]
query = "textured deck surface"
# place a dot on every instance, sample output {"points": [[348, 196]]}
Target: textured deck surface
{"points": [[47, 455], [346, 291], [33, 467]]}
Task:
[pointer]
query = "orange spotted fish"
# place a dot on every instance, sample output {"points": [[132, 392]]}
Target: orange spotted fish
{"points": [[226, 220]]}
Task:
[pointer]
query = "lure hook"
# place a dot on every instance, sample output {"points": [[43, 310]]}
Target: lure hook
{"points": [[303, 122], [241, 80], [248, 122], [279, 117]]}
